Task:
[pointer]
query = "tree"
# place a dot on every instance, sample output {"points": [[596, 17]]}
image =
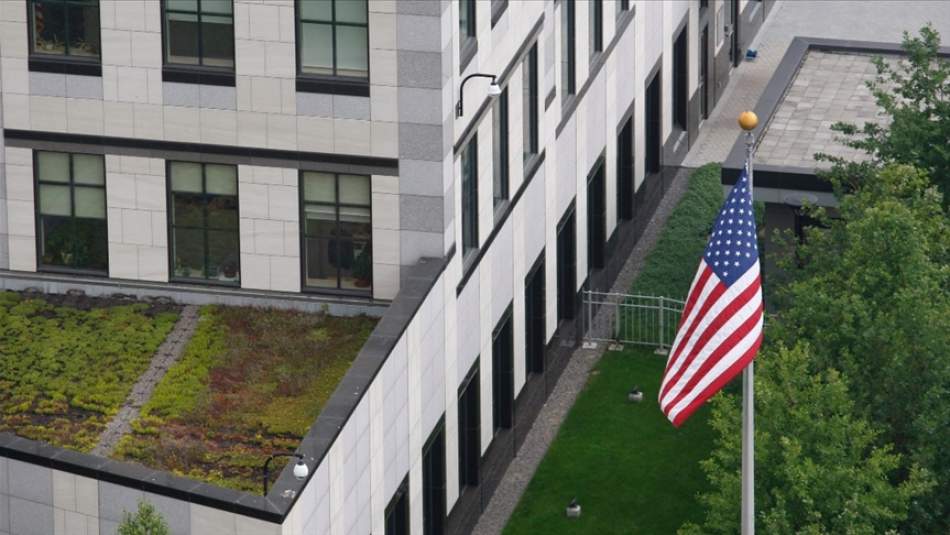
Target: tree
{"points": [[818, 469], [146, 521], [915, 97], [873, 299]]}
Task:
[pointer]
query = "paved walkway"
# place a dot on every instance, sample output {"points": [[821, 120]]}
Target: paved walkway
{"points": [[571, 382], [165, 356], [878, 20]]}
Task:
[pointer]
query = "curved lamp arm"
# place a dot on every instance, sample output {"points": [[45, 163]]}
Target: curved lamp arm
{"points": [[458, 106]]}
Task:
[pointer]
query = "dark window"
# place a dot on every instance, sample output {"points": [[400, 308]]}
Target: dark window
{"points": [[203, 222], [624, 5], [468, 43], [470, 197], [502, 375], [625, 170], [534, 315], [199, 32], [680, 79], [568, 54], [498, 8], [333, 38], [397, 512], [71, 211], [566, 266], [703, 4], [704, 73], [337, 232], [467, 19], [500, 148], [469, 430], [433, 483], [596, 26], [65, 28], [596, 218], [529, 72], [653, 125]]}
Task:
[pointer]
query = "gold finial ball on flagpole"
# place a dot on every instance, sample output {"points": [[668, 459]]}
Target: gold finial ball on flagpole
{"points": [[748, 121]]}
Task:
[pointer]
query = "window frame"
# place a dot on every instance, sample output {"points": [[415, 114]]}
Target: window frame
{"points": [[535, 320], [597, 216], [396, 515], [63, 64], [303, 203], [71, 184], [196, 74], [503, 380], [626, 171], [469, 219], [434, 493], [596, 30], [566, 268], [329, 83], [568, 51], [469, 438], [501, 148], [468, 41], [530, 127], [171, 226]]}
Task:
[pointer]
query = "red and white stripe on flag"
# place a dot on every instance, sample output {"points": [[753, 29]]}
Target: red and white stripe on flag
{"points": [[720, 330]]}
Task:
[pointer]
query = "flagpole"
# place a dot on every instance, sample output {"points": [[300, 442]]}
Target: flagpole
{"points": [[748, 121]]}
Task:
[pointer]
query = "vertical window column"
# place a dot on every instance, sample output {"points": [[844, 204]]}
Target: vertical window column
{"points": [[469, 423], [500, 149], [653, 125], [433, 482], [680, 78], [203, 222], [596, 218], [534, 317], [566, 266], [468, 41], [503, 379], [337, 231], [568, 52], [529, 73], [596, 26], [397, 512], [71, 212], [625, 172], [469, 162]]}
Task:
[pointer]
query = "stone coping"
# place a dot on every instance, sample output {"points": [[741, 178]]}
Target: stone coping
{"points": [[792, 177], [418, 280]]}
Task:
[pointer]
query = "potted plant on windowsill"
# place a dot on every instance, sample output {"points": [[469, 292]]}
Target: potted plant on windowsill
{"points": [[363, 269]]}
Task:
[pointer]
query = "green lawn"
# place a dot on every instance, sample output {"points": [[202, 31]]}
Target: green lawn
{"points": [[64, 371], [251, 382], [631, 471]]}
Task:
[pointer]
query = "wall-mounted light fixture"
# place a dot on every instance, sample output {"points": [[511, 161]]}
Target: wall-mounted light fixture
{"points": [[301, 470], [493, 90]]}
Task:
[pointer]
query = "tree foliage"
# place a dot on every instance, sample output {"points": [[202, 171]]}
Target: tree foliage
{"points": [[915, 97], [852, 429], [818, 469], [146, 521]]}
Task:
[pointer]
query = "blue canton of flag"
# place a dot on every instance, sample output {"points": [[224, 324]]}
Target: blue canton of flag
{"points": [[732, 249]]}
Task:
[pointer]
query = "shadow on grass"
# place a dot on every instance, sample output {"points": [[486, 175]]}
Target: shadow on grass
{"points": [[631, 471]]}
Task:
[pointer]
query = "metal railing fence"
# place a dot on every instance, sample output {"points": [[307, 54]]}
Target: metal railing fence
{"points": [[618, 318]]}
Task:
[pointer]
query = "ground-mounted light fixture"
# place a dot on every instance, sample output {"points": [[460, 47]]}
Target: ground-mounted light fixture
{"points": [[635, 395], [573, 509], [493, 89], [301, 470]]}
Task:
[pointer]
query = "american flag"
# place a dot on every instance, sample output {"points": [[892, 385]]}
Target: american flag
{"points": [[721, 327]]}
